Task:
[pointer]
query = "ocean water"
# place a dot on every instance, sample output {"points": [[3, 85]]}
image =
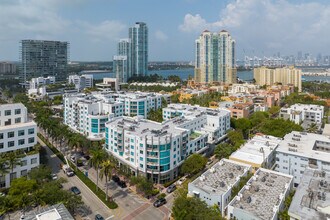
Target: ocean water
{"points": [[184, 74]]}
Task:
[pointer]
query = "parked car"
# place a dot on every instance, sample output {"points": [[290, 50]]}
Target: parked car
{"points": [[75, 190], [115, 178], [67, 170], [171, 188], [122, 184], [54, 176], [99, 217], [160, 202]]}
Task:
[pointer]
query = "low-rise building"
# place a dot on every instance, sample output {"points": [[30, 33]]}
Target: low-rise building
{"points": [[214, 186], [258, 152], [312, 199], [38, 82], [153, 149], [109, 84], [81, 82], [241, 110], [54, 212], [262, 197], [214, 122], [300, 112], [17, 134], [242, 88], [300, 150]]}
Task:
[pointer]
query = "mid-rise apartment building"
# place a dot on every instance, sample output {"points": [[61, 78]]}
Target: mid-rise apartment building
{"points": [[35, 83], [285, 76], [300, 150], [262, 197], [17, 133], [153, 149], [87, 114], [258, 152], [241, 110], [214, 122], [215, 58], [215, 185], [7, 68], [311, 199], [81, 82], [300, 112]]}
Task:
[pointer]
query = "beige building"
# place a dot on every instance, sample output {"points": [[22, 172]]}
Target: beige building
{"points": [[285, 75]]}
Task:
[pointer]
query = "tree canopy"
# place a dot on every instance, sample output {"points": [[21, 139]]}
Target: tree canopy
{"points": [[193, 164]]}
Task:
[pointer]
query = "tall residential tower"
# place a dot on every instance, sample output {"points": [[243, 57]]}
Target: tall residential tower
{"points": [[215, 58], [39, 58]]}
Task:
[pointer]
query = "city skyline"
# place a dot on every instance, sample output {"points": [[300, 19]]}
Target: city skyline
{"points": [[261, 28]]}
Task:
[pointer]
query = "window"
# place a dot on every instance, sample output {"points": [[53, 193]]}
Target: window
{"points": [[23, 163], [1, 136], [31, 140], [13, 176], [10, 134], [1, 145], [31, 131], [17, 120], [11, 143], [21, 141], [17, 111], [7, 112], [23, 172], [2, 181], [33, 160], [21, 132]]}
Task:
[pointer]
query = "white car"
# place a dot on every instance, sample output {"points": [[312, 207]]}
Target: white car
{"points": [[54, 176]]}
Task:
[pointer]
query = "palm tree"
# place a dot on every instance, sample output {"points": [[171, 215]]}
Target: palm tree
{"points": [[97, 157], [3, 166], [106, 171], [13, 160]]}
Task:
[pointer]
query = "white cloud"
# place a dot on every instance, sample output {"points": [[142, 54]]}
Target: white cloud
{"points": [[161, 35], [268, 24]]}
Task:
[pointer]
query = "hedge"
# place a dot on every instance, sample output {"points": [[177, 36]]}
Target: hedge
{"points": [[89, 183]]}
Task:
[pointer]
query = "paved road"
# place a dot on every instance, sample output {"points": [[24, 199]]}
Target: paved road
{"points": [[94, 204]]}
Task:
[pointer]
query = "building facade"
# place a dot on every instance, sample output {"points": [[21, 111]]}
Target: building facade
{"points": [[35, 83], [215, 185], [300, 150], [39, 58], [215, 58], [153, 149], [120, 67], [300, 112], [81, 82], [7, 68], [285, 76], [17, 134], [262, 197]]}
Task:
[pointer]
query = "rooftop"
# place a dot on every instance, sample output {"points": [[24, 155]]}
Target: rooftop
{"points": [[257, 149], [263, 193], [196, 110], [306, 145], [312, 197], [221, 177], [55, 212]]}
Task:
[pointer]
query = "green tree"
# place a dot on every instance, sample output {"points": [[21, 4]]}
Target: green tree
{"points": [[193, 164], [223, 150], [97, 157], [106, 171], [155, 115], [274, 110], [13, 159], [143, 185], [40, 174]]}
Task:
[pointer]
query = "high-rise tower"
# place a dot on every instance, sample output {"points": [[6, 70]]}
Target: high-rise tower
{"points": [[215, 58]]}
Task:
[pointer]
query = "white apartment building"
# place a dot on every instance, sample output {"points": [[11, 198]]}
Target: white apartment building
{"points": [[35, 83], [258, 152], [87, 114], [81, 82], [214, 122], [311, 200], [299, 150], [262, 197], [242, 88], [151, 148], [300, 112], [17, 133], [214, 186]]}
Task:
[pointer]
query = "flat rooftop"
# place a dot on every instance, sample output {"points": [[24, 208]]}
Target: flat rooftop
{"points": [[195, 110], [262, 193], [312, 198], [308, 145], [257, 149], [18, 125], [220, 177], [55, 212], [143, 127]]}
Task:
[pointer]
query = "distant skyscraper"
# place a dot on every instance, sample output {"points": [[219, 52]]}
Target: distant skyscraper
{"points": [[215, 58], [39, 58], [138, 35], [120, 67]]}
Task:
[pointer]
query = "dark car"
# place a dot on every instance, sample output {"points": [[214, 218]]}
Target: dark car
{"points": [[160, 202], [99, 217], [115, 178], [75, 190], [171, 188], [122, 184]]}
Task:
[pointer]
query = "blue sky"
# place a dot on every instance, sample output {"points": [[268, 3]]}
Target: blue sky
{"points": [[93, 27]]}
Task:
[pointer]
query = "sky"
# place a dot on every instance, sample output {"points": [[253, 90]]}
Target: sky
{"points": [[93, 27]]}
